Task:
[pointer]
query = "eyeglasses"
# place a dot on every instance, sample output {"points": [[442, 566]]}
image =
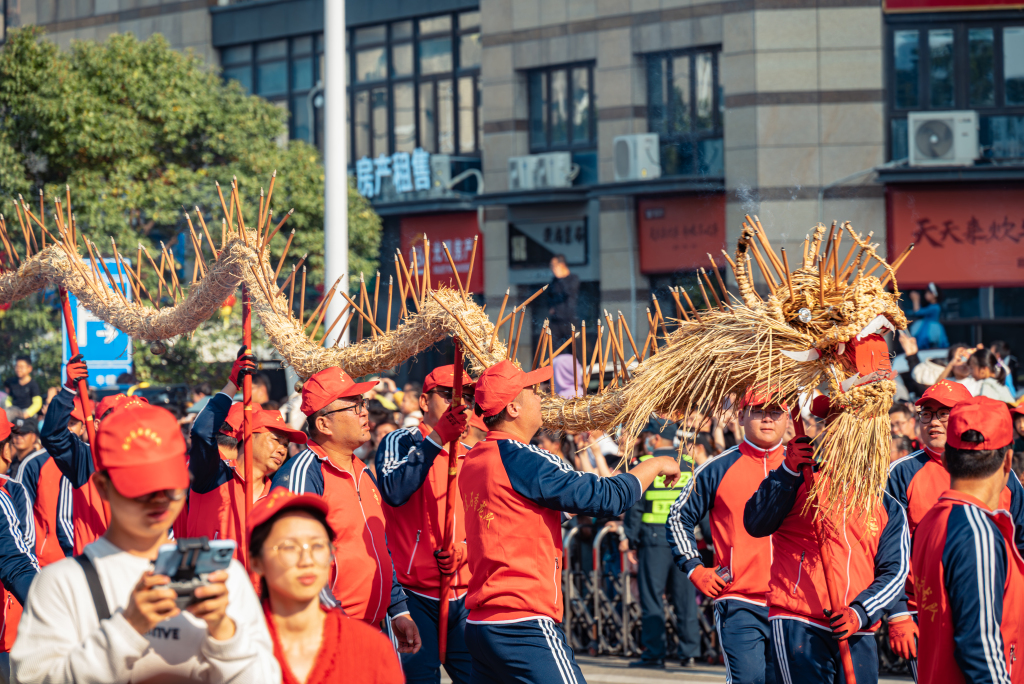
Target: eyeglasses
{"points": [[926, 416], [172, 494], [760, 414], [358, 407], [291, 552]]}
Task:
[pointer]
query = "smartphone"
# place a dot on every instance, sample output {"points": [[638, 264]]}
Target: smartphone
{"points": [[188, 562]]}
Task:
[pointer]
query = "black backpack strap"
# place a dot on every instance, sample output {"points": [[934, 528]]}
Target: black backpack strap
{"points": [[95, 588]]}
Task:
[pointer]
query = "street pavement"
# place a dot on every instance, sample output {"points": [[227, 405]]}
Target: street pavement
{"points": [[611, 670]]}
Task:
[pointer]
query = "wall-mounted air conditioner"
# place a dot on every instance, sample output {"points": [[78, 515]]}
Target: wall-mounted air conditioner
{"points": [[522, 172], [637, 157], [943, 138], [554, 170]]}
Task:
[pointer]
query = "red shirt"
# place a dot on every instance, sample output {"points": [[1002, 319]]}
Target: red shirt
{"points": [[218, 514], [350, 651]]}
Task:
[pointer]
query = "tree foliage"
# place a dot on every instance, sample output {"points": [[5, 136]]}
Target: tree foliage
{"points": [[139, 131]]}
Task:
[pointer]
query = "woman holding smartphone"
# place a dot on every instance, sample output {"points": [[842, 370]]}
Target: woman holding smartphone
{"points": [[105, 616], [291, 551]]}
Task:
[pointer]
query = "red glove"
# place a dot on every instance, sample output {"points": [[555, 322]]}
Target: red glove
{"points": [[845, 622], [244, 365], [76, 371], [707, 581], [799, 453], [448, 561], [451, 424], [903, 636]]}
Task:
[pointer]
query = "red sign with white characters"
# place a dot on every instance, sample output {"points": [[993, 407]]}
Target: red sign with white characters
{"points": [[457, 231]]}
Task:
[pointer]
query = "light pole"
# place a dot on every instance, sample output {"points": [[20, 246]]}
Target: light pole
{"points": [[335, 157]]}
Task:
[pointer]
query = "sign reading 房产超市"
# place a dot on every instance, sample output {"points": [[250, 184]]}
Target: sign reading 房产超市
{"points": [[678, 233], [963, 237], [948, 5]]}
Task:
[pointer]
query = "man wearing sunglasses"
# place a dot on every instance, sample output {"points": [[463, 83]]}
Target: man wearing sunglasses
{"points": [[917, 481], [413, 474], [739, 581], [363, 579], [217, 502], [105, 617]]}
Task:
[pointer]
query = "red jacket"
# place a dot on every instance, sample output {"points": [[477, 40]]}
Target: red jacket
{"points": [[720, 488], [349, 651], [363, 579], [918, 480], [969, 579], [870, 553], [413, 475], [514, 495], [216, 502]]}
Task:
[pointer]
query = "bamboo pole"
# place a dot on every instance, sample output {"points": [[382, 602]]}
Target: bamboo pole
{"points": [[391, 289], [494, 332], [455, 271]]}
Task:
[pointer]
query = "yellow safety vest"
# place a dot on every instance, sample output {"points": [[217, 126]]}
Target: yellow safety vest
{"points": [[658, 498]]}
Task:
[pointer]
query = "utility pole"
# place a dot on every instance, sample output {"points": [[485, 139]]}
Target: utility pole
{"points": [[335, 157]]}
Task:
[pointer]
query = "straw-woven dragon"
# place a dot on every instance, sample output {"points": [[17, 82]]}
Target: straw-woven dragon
{"points": [[822, 323]]}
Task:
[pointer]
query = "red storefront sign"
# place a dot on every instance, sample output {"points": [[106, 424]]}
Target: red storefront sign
{"points": [[963, 237], [678, 233], [455, 230], [948, 5]]}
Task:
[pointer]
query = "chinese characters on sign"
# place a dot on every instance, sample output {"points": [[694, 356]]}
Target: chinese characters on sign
{"points": [[457, 230], [951, 234], [407, 172], [677, 233], [966, 237]]}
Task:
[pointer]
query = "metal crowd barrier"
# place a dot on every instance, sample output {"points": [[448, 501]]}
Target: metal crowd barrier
{"points": [[602, 616]]}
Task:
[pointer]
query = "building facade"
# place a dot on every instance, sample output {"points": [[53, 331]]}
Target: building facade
{"points": [[632, 136]]}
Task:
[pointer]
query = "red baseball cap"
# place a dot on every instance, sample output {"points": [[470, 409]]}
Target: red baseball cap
{"points": [[502, 382], [756, 396], [117, 402], [5, 426], [281, 500], [444, 376], [1018, 410], [78, 413], [265, 421], [477, 421], [142, 450], [330, 384], [988, 416], [945, 393], [234, 418]]}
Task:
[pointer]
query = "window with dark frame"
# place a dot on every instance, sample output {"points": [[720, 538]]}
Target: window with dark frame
{"points": [[561, 105], [959, 64], [684, 107], [416, 83], [285, 72]]}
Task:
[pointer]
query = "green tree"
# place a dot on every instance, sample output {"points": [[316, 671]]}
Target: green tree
{"points": [[139, 131]]}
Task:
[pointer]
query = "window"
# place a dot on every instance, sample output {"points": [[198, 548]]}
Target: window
{"points": [[285, 72], [416, 83], [684, 107], [976, 64], [561, 103]]}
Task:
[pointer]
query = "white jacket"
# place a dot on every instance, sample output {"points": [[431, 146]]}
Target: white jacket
{"points": [[61, 639]]}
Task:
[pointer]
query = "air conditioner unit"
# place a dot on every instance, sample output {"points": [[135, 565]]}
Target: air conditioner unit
{"points": [[522, 172], [943, 138], [554, 170], [440, 171], [637, 156]]}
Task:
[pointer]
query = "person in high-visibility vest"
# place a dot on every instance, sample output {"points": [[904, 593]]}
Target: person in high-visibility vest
{"points": [[657, 573]]}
